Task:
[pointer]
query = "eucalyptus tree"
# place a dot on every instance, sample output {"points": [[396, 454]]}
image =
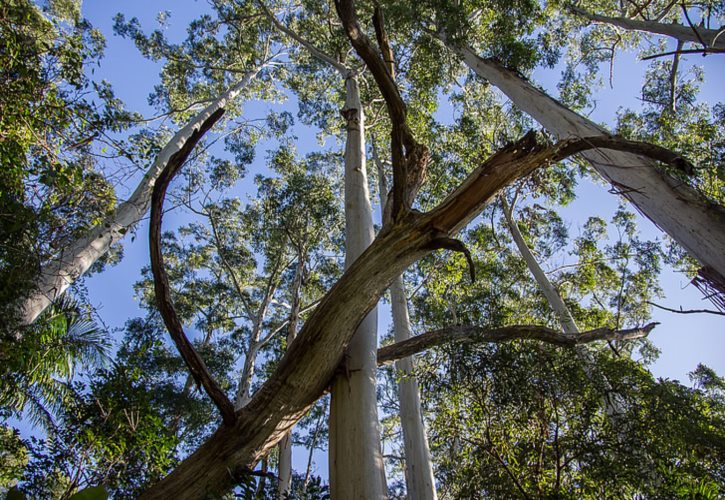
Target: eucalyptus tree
{"points": [[496, 434], [354, 442], [216, 93], [312, 359], [420, 482], [433, 197], [467, 30], [52, 187], [298, 213]]}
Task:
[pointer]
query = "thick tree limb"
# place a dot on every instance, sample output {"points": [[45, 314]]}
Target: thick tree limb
{"points": [[79, 255], [477, 334], [311, 361], [162, 289], [707, 37], [304, 373]]}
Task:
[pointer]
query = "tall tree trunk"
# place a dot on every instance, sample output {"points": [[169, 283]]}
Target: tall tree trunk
{"points": [[562, 312], [692, 221], [285, 446], [356, 462], [255, 344], [419, 479], [75, 259], [612, 402]]}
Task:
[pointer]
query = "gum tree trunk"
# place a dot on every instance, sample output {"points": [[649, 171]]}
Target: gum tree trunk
{"points": [[285, 446], [419, 480], [568, 325], [356, 462], [76, 258], [612, 402], [676, 208], [230, 454]]}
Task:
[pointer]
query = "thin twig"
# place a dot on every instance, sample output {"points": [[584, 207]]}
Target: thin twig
{"points": [[687, 311]]}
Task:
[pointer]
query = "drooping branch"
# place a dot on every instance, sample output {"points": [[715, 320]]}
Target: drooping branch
{"points": [[447, 243], [162, 289], [707, 37], [410, 159], [478, 334], [528, 151]]}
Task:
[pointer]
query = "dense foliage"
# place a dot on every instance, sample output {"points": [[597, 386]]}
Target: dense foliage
{"points": [[249, 257]]}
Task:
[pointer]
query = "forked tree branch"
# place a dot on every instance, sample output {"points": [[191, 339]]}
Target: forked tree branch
{"points": [[410, 159], [305, 371], [477, 334], [162, 289]]}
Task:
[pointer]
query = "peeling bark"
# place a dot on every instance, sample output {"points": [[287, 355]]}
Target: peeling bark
{"points": [[419, 480], [311, 361]]}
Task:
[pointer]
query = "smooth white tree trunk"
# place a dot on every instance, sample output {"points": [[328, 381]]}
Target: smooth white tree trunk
{"points": [[612, 401], [673, 206], [563, 314], [256, 342], [284, 486], [356, 463], [419, 468], [75, 259], [419, 480]]}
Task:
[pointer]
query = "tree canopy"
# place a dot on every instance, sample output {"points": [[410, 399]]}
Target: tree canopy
{"points": [[319, 190]]}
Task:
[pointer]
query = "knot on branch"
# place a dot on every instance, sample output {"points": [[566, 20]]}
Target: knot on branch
{"points": [[349, 113]]}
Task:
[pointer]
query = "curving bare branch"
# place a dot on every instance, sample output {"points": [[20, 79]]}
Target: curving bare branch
{"points": [[478, 334], [162, 289]]}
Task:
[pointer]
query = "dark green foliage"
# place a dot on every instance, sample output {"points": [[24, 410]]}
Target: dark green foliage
{"points": [[525, 420]]}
